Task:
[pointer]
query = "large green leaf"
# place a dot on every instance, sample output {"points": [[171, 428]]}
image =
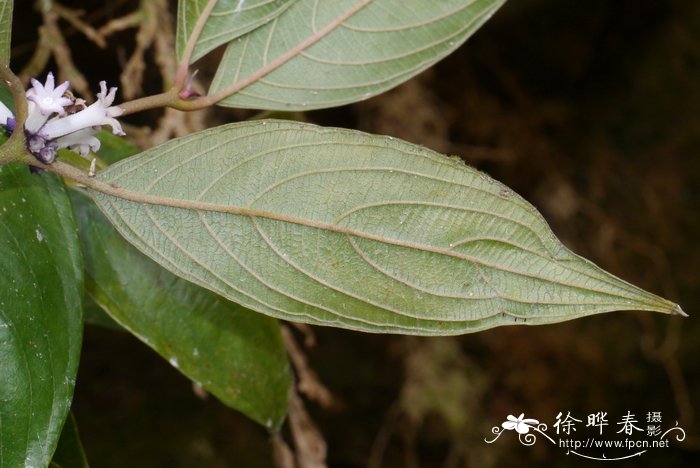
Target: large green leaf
{"points": [[229, 19], [233, 353], [341, 228], [40, 314], [6, 7], [324, 54]]}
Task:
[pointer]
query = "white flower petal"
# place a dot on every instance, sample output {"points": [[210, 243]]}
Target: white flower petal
{"points": [[95, 115], [82, 141], [49, 128], [35, 118], [49, 100]]}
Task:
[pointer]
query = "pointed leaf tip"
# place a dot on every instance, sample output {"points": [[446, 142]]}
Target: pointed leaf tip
{"points": [[678, 311]]}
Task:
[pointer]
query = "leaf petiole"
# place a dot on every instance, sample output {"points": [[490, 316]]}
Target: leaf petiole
{"points": [[183, 68], [172, 97]]}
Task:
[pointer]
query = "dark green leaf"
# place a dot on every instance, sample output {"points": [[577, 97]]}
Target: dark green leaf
{"points": [[40, 314], [234, 353], [337, 227], [113, 148], [6, 98]]}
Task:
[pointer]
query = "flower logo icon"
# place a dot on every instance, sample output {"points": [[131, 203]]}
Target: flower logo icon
{"points": [[520, 424]]}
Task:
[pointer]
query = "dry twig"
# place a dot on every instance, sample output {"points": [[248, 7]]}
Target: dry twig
{"points": [[282, 455], [73, 17], [51, 37], [309, 443], [308, 382]]}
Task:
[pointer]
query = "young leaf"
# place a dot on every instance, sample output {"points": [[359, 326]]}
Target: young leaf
{"points": [[6, 7], [236, 355], [40, 314], [324, 54], [229, 19], [341, 228]]}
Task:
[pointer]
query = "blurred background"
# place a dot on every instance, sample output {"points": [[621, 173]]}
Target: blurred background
{"points": [[591, 111]]}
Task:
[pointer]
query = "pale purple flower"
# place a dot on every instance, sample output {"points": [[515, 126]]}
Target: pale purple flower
{"points": [[97, 114], [44, 152], [53, 122], [48, 98], [50, 126], [45, 100], [522, 426]]}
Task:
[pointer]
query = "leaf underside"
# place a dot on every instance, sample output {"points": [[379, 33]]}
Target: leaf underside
{"points": [[337, 227], [6, 7], [325, 54], [229, 19]]}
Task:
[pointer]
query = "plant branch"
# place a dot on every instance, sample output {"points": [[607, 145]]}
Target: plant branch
{"points": [[181, 75], [61, 52], [212, 99], [40, 57], [311, 447], [18, 96], [14, 149], [170, 98], [308, 381], [73, 17]]}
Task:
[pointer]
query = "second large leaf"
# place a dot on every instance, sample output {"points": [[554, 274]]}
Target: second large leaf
{"points": [[341, 228], [326, 53]]}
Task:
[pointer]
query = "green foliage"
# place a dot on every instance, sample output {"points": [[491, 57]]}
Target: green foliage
{"points": [[323, 226], [380, 46], [41, 281], [341, 228], [233, 353]]}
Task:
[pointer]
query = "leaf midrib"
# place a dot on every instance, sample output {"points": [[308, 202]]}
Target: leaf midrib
{"points": [[290, 54], [190, 204], [275, 288], [253, 213]]}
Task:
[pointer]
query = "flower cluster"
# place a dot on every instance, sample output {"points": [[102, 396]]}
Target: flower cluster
{"points": [[58, 120]]}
